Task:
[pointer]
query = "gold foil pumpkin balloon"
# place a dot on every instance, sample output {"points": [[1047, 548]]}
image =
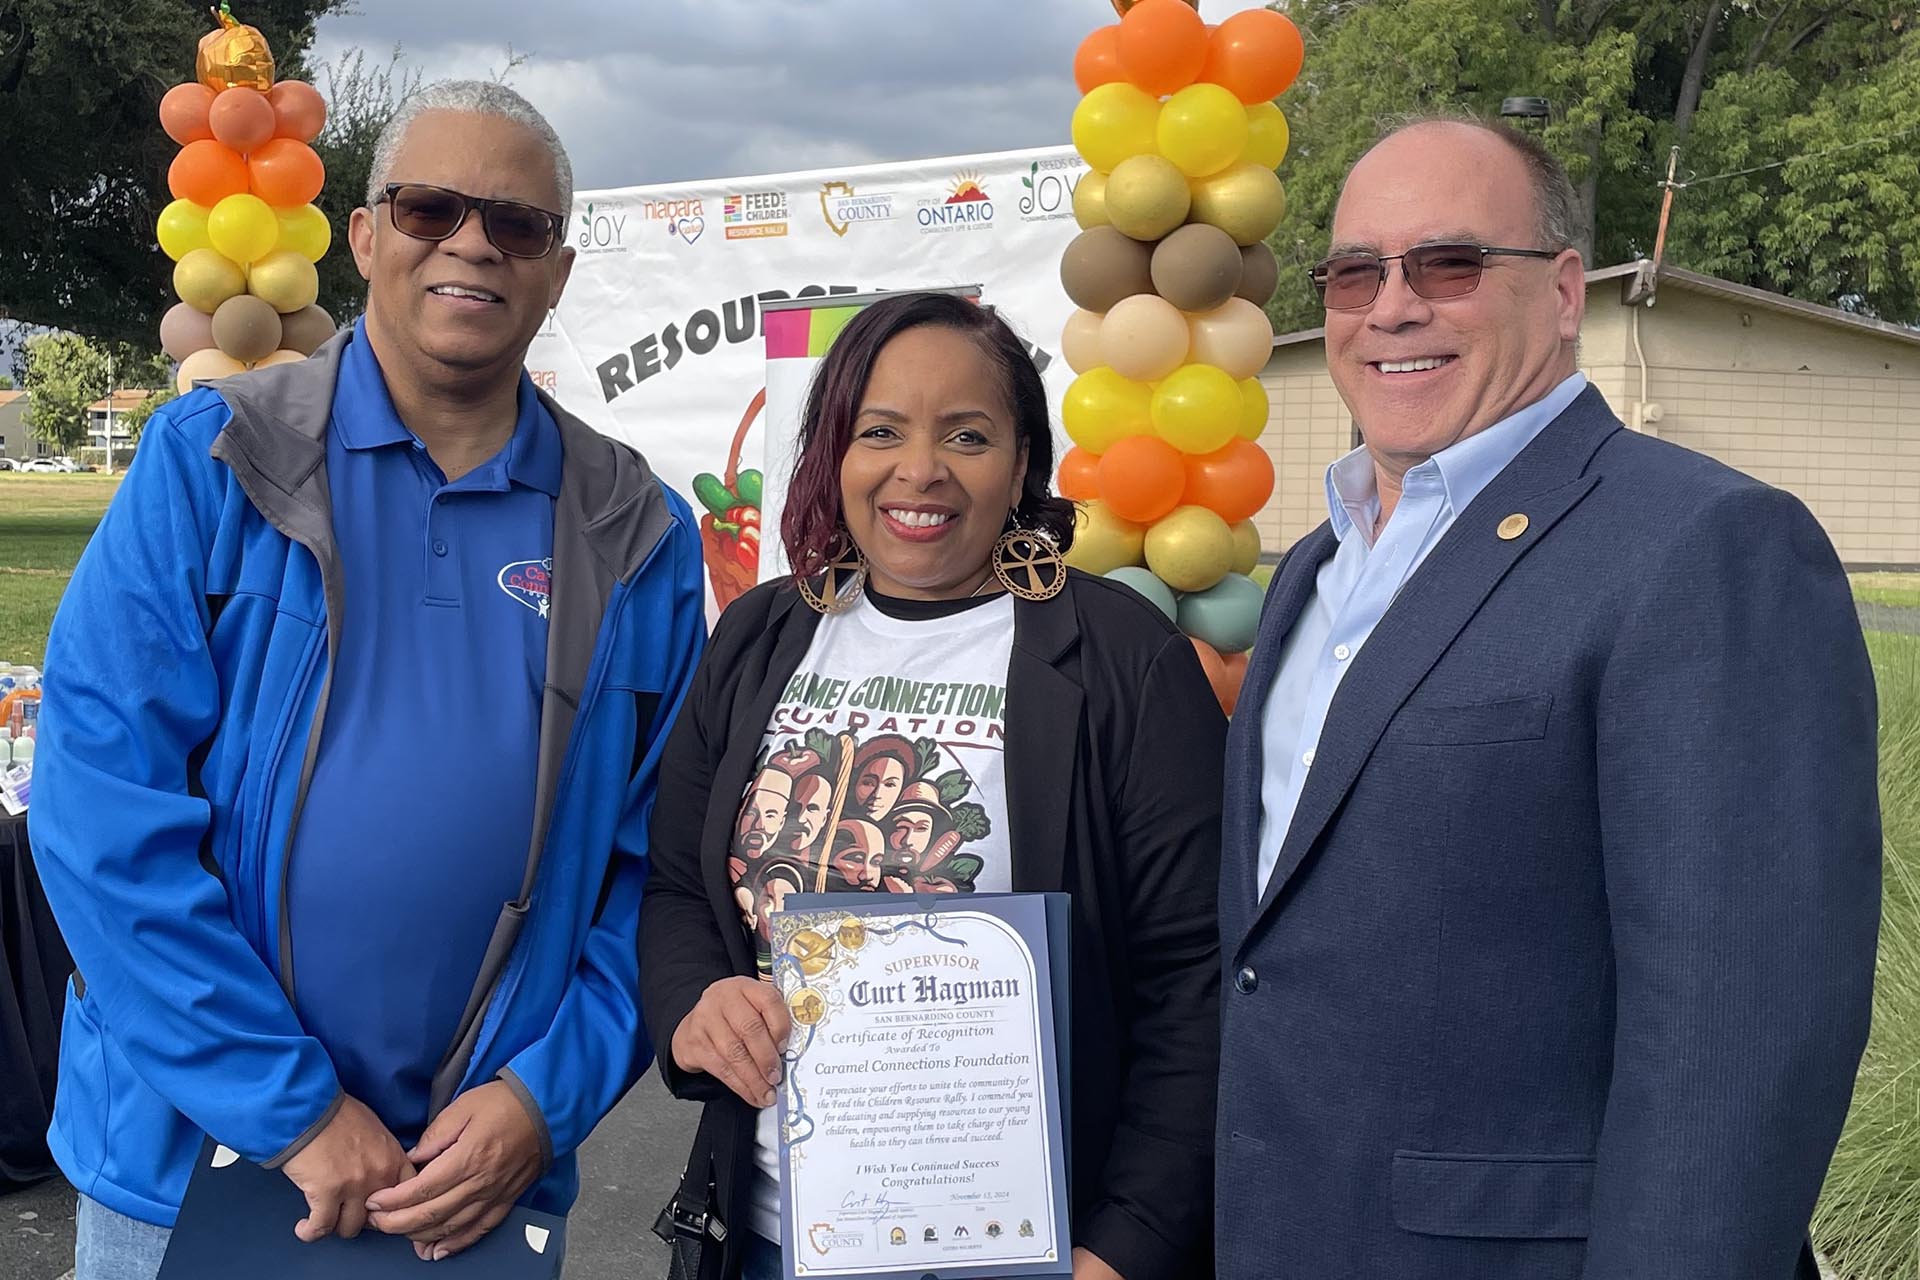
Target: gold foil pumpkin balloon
{"points": [[235, 56]]}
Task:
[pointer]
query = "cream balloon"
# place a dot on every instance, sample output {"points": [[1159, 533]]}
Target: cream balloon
{"points": [[1080, 341], [278, 357], [1144, 337], [1235, 336], [205, 366]]}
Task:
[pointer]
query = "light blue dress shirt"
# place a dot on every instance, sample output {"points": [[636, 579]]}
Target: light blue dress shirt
{"points": [[1357, 584]]}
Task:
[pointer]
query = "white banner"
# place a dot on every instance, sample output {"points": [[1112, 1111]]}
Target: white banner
{"points": [[657, 341]]}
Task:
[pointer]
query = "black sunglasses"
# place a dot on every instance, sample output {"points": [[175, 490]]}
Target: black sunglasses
{"points": [[1351, 281], [435, 213]]}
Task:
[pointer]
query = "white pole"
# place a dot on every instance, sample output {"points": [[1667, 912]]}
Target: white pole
{"points": [[109, 412]]}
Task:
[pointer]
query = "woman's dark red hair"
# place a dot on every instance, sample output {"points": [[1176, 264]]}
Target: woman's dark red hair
{"points": [[811, 526]]}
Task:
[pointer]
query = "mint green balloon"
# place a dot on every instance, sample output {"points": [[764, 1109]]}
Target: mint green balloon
{"points": [[1143, 581], [1225, 615]]}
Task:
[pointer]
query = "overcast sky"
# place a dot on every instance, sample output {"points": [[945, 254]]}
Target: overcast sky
{"points": [[646, 91]]}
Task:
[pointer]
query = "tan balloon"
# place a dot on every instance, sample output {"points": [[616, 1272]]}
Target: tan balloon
{"points": [[1144, 337], [1235, 336], [1190, 549], [1101, 267], [1080, 341], [284, 280], [1245, 201], [1246, 547], [185, 330], [303, 331], [205, 366], [1259, 274], [205, 278], [1147, 197], [1102, 541], [1196, 268], [278, 357], [1090, 201], [246, 328]]}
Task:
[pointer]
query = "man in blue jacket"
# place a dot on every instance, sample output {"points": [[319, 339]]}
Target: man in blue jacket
{"points": [[352, 717], [1551, 853]]}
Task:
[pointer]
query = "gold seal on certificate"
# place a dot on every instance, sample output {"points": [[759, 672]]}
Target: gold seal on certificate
{"points": [[920, 1117]]}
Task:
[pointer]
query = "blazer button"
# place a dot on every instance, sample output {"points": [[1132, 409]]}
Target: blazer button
{"points": [[1246, 980]]}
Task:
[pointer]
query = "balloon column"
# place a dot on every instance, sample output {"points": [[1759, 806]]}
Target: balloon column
{"points": [[242, 229], [1170, 273]]}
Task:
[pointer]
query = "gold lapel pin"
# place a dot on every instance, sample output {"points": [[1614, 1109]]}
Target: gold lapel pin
{"points": [[1512, 527]]}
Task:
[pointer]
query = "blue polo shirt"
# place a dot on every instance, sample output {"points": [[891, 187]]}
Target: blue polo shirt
{"points": [[420, 812]]}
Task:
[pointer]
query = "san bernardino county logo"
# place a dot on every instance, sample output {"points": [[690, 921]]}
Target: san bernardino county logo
{"points": [[603, 228], [1047, 190], [968, 208], [842, 206], [755, 215], [825, 1239]]}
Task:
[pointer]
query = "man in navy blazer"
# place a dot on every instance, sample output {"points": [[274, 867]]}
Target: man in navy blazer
{"points": [[1551, 868]]}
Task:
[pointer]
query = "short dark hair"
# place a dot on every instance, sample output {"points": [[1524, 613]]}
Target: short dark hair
{"points": [[812, 523], [1554, 203]]}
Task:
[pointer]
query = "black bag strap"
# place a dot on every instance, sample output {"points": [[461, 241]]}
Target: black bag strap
{"points": [[691, 1214]]}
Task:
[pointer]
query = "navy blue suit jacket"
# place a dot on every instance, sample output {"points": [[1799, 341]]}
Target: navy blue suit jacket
{"points": [[1565, 970]]}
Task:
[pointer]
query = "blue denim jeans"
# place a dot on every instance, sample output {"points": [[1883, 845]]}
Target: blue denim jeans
{"points": [[112, 1246], [762, 1260]]}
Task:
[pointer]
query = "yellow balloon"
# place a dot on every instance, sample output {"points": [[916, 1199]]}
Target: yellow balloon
{"points": [[1246, 547], [1190, 549], [1090, 201], [205, 278], [204, 366], [1114, 122], [306, 231], [284, 281], [243, 228], [1197, 409], [1266, 135], [1254, 411], [182, 228], [1080, 341], [1102, 407], [1202, 129], [1102, 541]]}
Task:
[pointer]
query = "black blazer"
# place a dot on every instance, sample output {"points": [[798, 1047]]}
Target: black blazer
{"points": [[1114, 748], [1566, 964]]}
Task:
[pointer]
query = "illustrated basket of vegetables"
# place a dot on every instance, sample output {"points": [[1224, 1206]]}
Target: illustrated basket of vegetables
{"points": [[730, 527]]}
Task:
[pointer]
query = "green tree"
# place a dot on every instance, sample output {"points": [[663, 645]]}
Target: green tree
{"points": [[86, 161], [1736, 85], [6, 382], [361, 100], [66, 373], [136, 419]]}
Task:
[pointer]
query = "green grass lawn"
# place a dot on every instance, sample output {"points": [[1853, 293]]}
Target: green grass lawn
{"points": [[45, 521]]}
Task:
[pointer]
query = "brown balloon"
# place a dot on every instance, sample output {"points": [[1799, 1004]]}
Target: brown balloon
{"points": [[184, 330], [1102, 266], [304, 330], [1196, 268], [246, 328], [1259, 274]]}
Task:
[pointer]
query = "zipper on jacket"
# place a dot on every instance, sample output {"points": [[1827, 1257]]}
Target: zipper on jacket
{"points": [[276, 756]]}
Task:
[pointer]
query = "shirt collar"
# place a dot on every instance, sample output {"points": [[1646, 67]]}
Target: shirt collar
{"points": [[1463, 469], [532, 457]]}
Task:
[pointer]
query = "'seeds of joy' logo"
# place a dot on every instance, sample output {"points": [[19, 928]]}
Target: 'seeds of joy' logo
{"points": [[842, 206], [1047, 189], [602, 229], [968, 208]]}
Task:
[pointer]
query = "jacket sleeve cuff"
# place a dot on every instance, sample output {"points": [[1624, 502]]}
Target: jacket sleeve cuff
{"points": [[1116, 1237], [534, 1113], [313, 1130]]}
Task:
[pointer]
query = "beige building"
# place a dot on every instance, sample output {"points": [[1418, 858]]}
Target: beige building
{"points": [[1817, 401]]}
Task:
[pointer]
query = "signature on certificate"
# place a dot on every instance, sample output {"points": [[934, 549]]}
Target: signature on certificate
{"points": [[876, 1202]]}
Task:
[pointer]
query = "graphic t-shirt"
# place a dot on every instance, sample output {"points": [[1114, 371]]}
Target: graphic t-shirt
{"points": [[881, 771]]}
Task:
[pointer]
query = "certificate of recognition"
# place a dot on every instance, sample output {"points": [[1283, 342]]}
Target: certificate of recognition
{"points": [[921, 1125]]}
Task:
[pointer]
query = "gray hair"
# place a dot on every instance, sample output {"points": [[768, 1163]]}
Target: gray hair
{"points": [[1553, 198], [479, 97]]}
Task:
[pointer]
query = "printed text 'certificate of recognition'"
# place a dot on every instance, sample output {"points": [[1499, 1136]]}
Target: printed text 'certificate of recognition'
{"points": [[920, 1118]]}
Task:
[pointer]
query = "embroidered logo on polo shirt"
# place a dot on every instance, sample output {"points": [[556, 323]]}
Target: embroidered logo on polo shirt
{"points": [[528, 582]]}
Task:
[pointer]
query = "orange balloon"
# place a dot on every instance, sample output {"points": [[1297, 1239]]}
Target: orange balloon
{"points": [[206, 173], [1234, 483], [242, 118], [1225, 672], [286, 173], [183, 112], [1097, 61], [1162, 46], [299, 111], [1141, 478], [1079, 472], [1256, 54]]}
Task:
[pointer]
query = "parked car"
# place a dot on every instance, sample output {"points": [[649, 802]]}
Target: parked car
{"points": [[8, 464], [47, 465]]}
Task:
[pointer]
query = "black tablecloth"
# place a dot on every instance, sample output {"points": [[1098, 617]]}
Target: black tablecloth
{"points": [[34, 965]]}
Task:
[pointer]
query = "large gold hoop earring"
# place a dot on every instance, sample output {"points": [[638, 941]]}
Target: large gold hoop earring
{"points": [[841, 582], [1029, 565]]}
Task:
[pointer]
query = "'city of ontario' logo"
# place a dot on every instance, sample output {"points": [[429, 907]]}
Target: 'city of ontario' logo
{"points": [[969, 208], [842, 206]]}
